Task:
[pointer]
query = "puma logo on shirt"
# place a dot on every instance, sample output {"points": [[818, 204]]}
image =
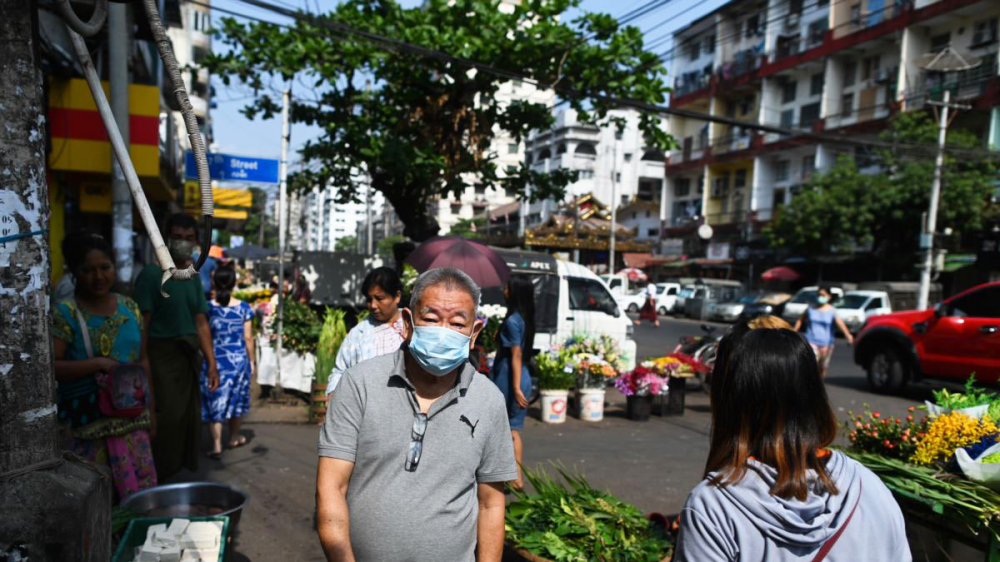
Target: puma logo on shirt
{"points": [[462, 418]]}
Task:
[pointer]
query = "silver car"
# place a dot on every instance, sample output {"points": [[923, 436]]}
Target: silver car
{"points": [[730, 311]]}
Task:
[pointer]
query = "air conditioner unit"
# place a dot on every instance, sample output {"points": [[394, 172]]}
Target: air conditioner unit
{"points": [[792, 20]]}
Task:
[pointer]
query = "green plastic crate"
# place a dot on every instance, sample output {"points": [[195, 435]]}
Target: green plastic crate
{"points": [[135, 535]]}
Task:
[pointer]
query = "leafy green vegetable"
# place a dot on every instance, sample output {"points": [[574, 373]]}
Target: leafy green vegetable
{"points": [[579, 523], [972, 396], [331, 336], [992, 459], [300, 328]]}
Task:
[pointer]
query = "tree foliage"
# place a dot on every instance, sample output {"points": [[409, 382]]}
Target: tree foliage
{"points": [[346, 244], [845, 207], [423, 127], [468, 228]]}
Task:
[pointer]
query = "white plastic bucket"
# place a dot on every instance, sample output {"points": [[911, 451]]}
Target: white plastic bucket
{"points": [[554, 405], [591, 401]]}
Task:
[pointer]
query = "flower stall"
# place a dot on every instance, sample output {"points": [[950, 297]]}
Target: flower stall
{"points": [[943, 468], [555, 378], [657, 380]]}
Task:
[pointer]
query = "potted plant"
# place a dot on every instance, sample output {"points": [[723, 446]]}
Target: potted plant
{"points": [[555, 378], [300, 336], [593, 374], [331, 335], [639, 386]]}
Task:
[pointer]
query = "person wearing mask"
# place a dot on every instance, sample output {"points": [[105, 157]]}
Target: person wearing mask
{"points": [[772, 490], [648, 311], [416, 446], [819, 320], [232, 341], [177, 328], [378, 334], [96, 332], [510, 368]]}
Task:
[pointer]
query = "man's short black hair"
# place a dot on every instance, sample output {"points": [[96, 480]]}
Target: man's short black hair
{"points": [[180, 220], [384, 278]]}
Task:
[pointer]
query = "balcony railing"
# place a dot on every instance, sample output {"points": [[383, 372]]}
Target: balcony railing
{"points": [[732, 217], [688, 84], [743, 62]]}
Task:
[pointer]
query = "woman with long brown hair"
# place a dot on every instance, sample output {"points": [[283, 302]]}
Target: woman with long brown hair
{"points": [[772, 490]]}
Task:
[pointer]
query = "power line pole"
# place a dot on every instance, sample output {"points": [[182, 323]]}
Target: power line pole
{"points": [[53, 508], [121, 197], [282, 214], [614, 207]]}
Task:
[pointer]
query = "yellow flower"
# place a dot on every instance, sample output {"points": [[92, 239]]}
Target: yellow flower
{"points": [[949, 432]]}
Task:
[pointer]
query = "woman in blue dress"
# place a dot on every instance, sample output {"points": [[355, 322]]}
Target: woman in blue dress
{"points": [[819, 320], [232, 340], [510, 369]]}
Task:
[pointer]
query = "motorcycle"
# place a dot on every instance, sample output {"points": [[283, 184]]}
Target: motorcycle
{"points": [[702, 348]]}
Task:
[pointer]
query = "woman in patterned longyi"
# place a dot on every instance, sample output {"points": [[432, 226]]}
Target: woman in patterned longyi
{"points": [[232, 340]]}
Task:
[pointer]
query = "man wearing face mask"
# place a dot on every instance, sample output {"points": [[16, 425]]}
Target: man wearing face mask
{"points": [[416, 445], [177, 328]]}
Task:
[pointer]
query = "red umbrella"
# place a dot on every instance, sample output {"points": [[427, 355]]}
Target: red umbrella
{"points": [[780, 274], [485, 266]]}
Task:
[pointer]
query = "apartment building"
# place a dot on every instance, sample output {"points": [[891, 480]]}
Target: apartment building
{"points": [[808, 66], [610, 163], [192, 43], [325, 222]]}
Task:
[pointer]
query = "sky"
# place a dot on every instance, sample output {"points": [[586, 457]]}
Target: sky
{"points": [[235, 134]]}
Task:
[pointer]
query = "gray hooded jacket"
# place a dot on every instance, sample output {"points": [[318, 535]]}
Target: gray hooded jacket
{"points": [[745, 522]]}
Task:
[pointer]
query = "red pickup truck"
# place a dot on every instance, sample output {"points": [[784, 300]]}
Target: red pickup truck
{"points": [[956, 338]]}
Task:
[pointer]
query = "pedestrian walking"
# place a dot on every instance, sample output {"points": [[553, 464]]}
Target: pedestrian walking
{"points": [[378, 334], [177, 329], [232, 342], [416, 445], [648, 310], [510, 368], [772, 490], [819, 321], [99, 349]]}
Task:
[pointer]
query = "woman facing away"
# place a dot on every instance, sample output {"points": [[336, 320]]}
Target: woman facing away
{"points": [[510, 368], [820, 319], [772, 491], [232, 341], [96, 332]]}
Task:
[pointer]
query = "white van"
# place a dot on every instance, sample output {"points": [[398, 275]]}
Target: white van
{"points": [[856, 307], [667, 297], [569, 299], [796, 307]]}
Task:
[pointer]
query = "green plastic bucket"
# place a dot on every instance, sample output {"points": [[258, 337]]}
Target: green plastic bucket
{"points": [[135, 535]]}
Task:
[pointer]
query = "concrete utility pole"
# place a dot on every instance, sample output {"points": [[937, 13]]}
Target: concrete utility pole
{"points": [[53, 508], [369, 225], [286, 134], [121, 197], [614, 207], [946, 61]]}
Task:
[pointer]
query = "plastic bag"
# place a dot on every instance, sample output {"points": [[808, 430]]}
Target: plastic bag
{"points": [[975, 412], [976, 470]]}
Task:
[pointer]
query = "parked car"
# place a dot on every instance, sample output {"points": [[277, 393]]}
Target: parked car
{"points": [[956, 338], [798, 304], [768, 304], [682, 296], [667, 298], [856, 307], [730, 311], [708, 292], [633, 301]]}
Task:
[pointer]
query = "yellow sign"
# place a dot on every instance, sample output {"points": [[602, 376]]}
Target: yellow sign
{"points": [[229, 203], [95, 197]]}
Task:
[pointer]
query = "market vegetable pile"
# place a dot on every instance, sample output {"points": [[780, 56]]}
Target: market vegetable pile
{"points": [[579, 522], [943, 460]]}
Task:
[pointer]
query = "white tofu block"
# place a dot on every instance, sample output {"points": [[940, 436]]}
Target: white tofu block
{"points": [[164, 539], [177, 527], [171, 554], [195, 555], [150, 553], [201, 535], [152, 529], [200, 543]]}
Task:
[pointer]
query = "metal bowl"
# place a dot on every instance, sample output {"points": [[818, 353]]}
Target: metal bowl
{"points": [[172, 498]]}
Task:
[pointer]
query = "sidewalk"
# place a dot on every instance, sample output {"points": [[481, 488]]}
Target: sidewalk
{"points": [[652, 464]]}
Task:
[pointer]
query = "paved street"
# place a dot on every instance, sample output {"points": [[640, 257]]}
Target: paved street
{"points": [[652, 465]]}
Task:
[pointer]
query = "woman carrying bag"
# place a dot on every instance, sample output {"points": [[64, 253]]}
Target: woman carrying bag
{"points": [[104, 395]]}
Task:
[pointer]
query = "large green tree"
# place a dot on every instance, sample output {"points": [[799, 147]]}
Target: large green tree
{"points": [[423, 126], [844, 208]]}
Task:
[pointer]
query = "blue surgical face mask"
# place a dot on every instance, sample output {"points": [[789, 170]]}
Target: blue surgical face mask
{"points": [[439, 350], [821, 300]]}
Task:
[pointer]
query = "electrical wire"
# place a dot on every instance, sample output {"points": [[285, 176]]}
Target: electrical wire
{"points": [[402, 46]]}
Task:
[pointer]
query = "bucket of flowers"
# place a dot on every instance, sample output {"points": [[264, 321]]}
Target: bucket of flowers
{"points": [[640, 386], [593, 373], [555, 378]]}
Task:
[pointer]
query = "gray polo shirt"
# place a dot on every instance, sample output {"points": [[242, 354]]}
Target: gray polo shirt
{"points": [[432, 512]]}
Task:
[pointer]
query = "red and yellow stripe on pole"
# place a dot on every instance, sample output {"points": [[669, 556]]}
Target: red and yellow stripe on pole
{"points": [[79, 139]]}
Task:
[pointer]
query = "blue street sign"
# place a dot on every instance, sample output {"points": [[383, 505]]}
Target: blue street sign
{"points": [[226, 167]]}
